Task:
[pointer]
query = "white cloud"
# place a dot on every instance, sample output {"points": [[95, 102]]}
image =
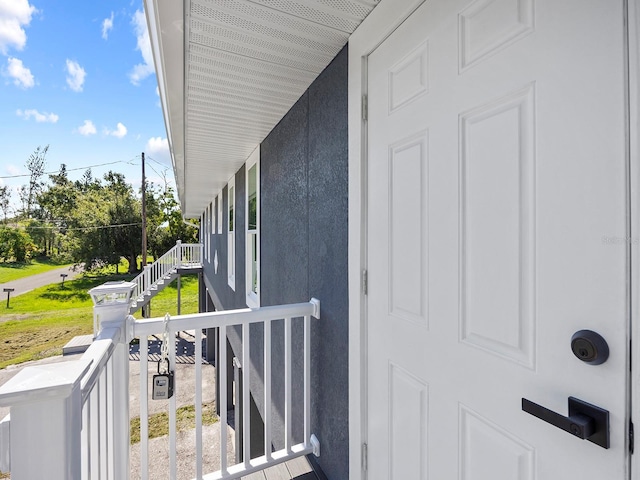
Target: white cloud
{"points": [[22, 76], [158, 148], [12, 170], [107, 24], [141, 70], [119, 132], [39, 117], [14, 15], [87, 128], [75, 75]]}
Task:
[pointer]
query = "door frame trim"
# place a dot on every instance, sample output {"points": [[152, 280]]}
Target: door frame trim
{"points": [[380, 23], [633, 126]]}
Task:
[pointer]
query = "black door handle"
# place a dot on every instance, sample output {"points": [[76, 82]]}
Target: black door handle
{"points": [[585, 421]]}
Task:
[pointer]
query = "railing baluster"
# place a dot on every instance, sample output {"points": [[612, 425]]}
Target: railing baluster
{"points": [[246, 395], [198, 348], [85, 459], [110, 420], [94, 452], [102, 408], [172, 407], [287, 384], [144, 407], [222, 377], [267, 389], [307, 379]]}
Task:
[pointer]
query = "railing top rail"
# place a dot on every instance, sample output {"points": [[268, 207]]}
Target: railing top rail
{"points": [[227, 317], [98, 353]]}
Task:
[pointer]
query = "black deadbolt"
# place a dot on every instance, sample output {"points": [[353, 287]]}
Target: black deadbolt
{"points": [[589, 347]]}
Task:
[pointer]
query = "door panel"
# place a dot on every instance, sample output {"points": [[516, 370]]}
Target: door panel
{"points": [[497, 226]]}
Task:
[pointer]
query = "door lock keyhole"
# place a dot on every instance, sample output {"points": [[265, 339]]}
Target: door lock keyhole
{"points": [[590, 347]]}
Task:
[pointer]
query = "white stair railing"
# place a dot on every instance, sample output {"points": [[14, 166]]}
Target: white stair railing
{"points": [[188, 255]]}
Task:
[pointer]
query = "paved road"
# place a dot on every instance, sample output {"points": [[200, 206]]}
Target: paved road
{"points": [[26, 284]]}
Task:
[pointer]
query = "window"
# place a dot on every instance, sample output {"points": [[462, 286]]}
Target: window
{"points": [[202, 228], [205, 232], [231, 234], [213, 225], [252, 256], [219, 198], [209, 239]]}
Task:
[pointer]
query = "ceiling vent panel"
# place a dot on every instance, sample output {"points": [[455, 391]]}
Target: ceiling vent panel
{"points": [[243, 65]]}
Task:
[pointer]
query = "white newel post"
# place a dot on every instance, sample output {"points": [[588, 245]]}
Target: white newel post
{"points": [[45, 424], [111, 310], [179, 252]]}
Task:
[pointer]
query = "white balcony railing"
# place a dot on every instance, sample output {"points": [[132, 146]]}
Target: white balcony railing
{"points": [[181, 256], [71, 420]]}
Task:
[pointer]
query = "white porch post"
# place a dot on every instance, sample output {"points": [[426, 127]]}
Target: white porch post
{"points": [[45, 437], [111, 309]]}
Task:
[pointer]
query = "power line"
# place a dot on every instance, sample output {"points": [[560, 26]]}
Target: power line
{"points": [[97, 227], [71, 169]]}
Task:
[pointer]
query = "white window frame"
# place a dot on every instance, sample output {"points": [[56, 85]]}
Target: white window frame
{"points": [[253, 298], [231, 234], [219, 199]]}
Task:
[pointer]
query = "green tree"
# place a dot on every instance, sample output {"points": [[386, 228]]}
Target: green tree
{"points": [[168, 224], [15, 244], [36, 166], [105, 223], [5, 199]]}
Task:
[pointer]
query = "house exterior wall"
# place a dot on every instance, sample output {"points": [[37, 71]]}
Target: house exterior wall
{"points": [[304, 244]]}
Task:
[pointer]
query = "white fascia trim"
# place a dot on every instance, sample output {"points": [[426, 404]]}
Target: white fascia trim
{"points": [[380, 23], [176, 148]]}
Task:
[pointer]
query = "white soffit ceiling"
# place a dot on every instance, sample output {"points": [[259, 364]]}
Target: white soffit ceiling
{"points": [[229, 70]]}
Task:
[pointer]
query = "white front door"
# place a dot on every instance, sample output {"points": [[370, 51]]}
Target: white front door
{"points": [[497, 227]]}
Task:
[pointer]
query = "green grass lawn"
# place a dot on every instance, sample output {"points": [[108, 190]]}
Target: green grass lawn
{"points": [[13, 271], [185, 420], [39, 323]]}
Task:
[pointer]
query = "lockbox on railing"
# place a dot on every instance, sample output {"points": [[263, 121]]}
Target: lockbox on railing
{"points": [[111, 301]]}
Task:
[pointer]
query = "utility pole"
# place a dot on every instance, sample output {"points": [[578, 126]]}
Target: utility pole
{"points": [[143, 263], [144, 217]]}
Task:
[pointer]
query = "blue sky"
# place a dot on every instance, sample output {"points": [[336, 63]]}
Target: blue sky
{"points": [[78, 76]]}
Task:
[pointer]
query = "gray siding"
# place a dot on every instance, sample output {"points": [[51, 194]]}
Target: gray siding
{"points": [[303, 235]]}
